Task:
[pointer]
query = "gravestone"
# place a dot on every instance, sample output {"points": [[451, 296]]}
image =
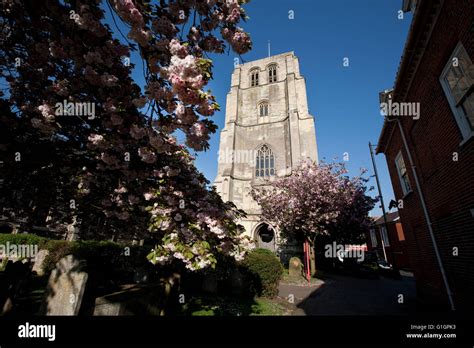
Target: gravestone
{"points": [[66, 286], [294, 267], [39, 262], [72, 231]]}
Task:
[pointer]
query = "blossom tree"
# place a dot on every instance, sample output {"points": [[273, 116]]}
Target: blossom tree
{"points": [[83, 144], [316, 200]]}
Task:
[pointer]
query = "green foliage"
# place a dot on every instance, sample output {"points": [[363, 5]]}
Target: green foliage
{"points": [[3, 264], [57, 250], [262, 251], [230, 306], [113, 260], [110, 260], [266, 307], [22, 238], [266, 269]]}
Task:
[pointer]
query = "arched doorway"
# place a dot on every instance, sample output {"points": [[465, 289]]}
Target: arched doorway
{"points": [[265, 237]]}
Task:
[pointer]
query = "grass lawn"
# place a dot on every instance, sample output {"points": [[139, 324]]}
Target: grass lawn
{"points": [[232, 306], [302, 281]]}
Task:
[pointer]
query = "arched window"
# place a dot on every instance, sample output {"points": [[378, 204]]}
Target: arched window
{"points": [[254, 78], [265, 162], [272, 73], [263, 108]]}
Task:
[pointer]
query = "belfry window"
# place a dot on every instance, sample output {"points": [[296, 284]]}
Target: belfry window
{"points": [[254, 78], [265, 162], [263, 109], [272, 73]]}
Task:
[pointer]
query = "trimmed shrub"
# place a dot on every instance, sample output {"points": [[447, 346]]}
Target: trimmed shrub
{"points": [[22, 238], [57, 249], [104, 257], [107, 260], [265, 269], [262, 251]]}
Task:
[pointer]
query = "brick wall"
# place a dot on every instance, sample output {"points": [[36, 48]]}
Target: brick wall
{"points": [[448, 186], [397, 252]]}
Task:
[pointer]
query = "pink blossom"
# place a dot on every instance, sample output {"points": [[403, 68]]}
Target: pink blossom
{"points": [[199, 129], [240, 41], [57, 51], [109, 80], [61, 88], [93, 57], [178, 49], [128, 11], [164, 26], [180, 110], [137, 132], [109, 159], [92, 76], [122, 189], [36, 122], [87, 65], [46, 111], [116, 119], [194, 34], [124, 215], [140, 35], [157, 142], [140, 102], [95, 138], [147, 155]]}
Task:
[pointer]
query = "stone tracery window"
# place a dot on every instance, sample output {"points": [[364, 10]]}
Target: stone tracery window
{"points": [[265, 162], [254, 78], [272, 73], [263, 108]]}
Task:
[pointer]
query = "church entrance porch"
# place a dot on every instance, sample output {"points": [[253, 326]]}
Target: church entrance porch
{"points": [[265, 237]]}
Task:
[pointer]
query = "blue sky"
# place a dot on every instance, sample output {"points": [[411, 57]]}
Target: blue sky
{"points": [[343, 100]]}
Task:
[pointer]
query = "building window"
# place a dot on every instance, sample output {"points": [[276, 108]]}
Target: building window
{"points": [[402, 173], [457, 81], [373, 238], [254, 78], [383, 232], [265, 162], [272, 73], [263, 109]]}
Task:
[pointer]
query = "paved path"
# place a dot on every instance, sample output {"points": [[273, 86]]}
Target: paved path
{"points": [[347, 295]]}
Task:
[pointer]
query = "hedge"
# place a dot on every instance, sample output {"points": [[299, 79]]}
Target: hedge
{"points": [[267, 270], [107, 262], [111, 258], [106, 258], [22, 238]]}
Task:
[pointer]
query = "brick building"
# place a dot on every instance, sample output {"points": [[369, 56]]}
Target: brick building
{"points": [[391, 238], [430, 156]]}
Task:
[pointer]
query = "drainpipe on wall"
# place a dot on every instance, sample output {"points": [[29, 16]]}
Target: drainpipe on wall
{"points": [[425, 212], [382, 205]]}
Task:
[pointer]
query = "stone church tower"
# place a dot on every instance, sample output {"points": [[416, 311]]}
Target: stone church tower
{"points": [[267, 131]]}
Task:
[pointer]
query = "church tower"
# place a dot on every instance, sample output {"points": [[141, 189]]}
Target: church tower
{"points": [[268, 131]]}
